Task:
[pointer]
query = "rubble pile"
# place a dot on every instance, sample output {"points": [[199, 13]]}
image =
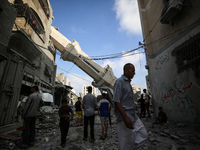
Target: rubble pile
{"points": [[172, 136], [169, 136]]}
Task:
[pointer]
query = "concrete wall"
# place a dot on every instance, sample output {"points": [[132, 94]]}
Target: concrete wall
{"points": [[177, 92]]}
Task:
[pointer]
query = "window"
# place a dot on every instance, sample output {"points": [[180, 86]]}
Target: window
{"points": [[32, 18], [188, 53], [45, 7]]}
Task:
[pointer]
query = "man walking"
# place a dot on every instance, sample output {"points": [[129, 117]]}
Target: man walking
{"points": [[89, 105], [124, 107], [30, 112]]}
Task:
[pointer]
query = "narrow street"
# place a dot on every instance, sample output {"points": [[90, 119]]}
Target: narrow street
{"points": [[169, 136]]}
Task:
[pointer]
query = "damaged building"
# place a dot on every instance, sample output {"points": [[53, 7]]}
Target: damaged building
{"points": [[171, 33], [27, 54]]}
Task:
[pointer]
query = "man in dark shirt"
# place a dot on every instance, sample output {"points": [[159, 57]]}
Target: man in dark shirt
{"points": [[30, 112], [64, 120], [142, 106]]}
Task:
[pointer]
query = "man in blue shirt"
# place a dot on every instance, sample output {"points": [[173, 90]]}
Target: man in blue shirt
{"points": [[124, 107], [104, 107]]}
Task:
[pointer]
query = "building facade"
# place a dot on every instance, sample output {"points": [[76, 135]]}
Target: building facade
{"points": [[60, 77], [84, 90], [171, 36], [26, 51]]}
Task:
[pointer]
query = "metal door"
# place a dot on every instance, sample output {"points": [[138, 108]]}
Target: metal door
{"points": [[10, 85]]}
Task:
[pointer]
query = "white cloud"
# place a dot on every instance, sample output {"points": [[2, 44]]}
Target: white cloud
{"points": [[77, 30], [128, 16], [137, 60], [117, 65]]}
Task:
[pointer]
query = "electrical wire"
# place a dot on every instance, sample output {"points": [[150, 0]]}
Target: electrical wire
{"points": [[74, 74], [166, 37], [155, 24], [121, 53], [151, 29], [117, 55], [71, 68]]}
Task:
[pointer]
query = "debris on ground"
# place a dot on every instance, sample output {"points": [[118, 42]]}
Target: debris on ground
{"points": [[168, 136]]}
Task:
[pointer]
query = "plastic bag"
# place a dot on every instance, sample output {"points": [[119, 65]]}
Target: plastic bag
{"points": [[21, 125], [139, 134]]}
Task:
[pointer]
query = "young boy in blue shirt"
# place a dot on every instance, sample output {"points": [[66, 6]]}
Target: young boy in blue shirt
{"points": [[104, 107]]}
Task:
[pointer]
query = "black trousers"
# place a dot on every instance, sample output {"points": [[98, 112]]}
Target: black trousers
{"points": [[147, 109], [143, 111], [64, 127], [91, 120], [28, 135]]}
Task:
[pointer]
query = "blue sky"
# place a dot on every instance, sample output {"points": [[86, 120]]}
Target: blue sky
{"points": [[101, 27]]}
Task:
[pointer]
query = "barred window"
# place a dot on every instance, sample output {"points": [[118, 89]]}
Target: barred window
{"points": [[188, 53]]}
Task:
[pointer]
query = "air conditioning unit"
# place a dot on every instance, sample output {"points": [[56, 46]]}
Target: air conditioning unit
{"points": [[171, 10]]}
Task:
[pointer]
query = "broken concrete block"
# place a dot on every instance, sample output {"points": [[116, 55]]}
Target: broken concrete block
{"points": [[163, 134], [173, 147], [174, 137]]}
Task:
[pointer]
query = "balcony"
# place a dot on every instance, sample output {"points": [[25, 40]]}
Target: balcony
{"points": [[31, 18]]}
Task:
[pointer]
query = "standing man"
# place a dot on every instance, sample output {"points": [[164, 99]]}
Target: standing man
{"points": [[89, 105], [147, 101], [79, 112], [30, 112], [124, 107], [142, 106]]}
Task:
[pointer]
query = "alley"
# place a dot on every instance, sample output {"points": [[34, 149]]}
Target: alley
{"points": [[169, 136]]}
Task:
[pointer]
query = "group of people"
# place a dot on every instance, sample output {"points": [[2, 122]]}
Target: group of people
{"points": [[86, 107], [131, 131], [144, 104]]}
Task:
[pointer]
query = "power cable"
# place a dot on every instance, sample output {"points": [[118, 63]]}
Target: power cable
{"points": [[121, 53], [166, 37], [151, 29], [155, 24], [71, 68], [73, 74], [117, 55]]}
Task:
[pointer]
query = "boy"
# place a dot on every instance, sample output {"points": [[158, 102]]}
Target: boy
{"points": [[79, 112], [104, 107], [64, 120], [162, 117]]}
